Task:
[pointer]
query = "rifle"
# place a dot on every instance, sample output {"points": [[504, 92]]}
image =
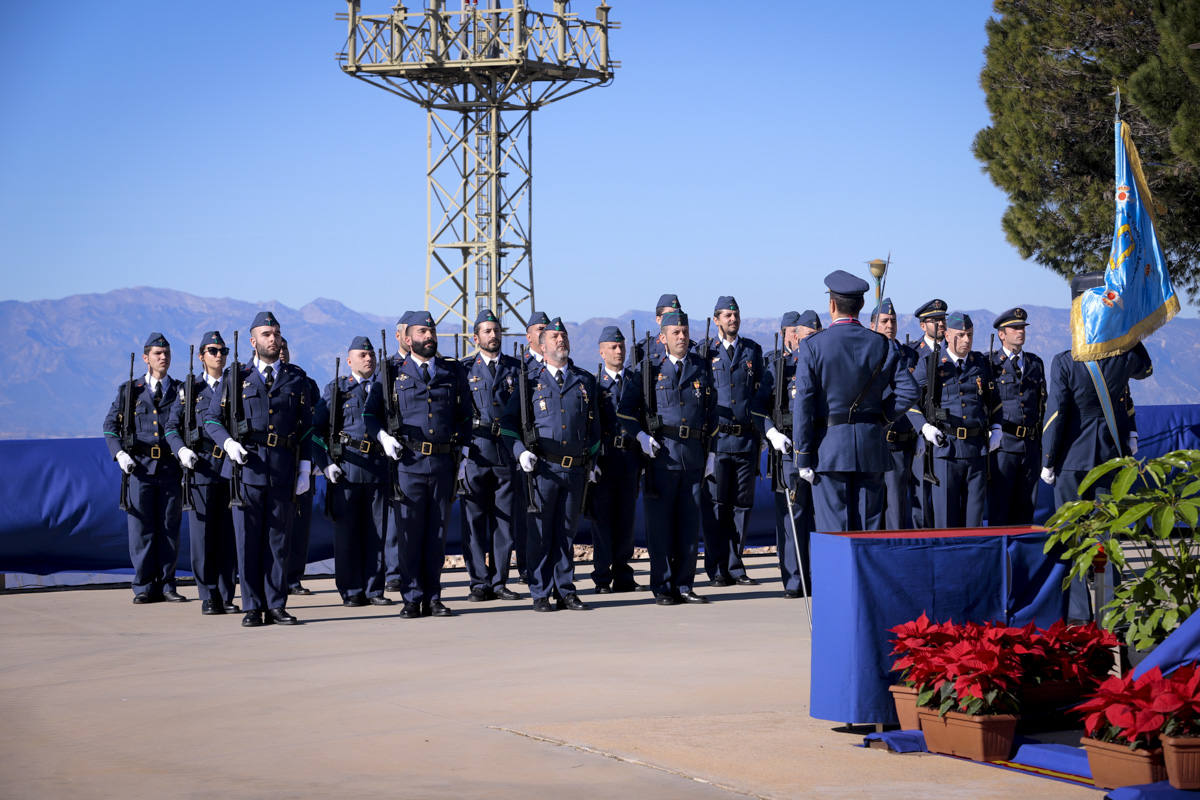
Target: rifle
{"points": [[391, 414], [652, 421], [705, 354], [632, 343], [782, 420], [589, 500], [128, 437], [528, 430], [931, 407], [191, 436], [237, 422]]}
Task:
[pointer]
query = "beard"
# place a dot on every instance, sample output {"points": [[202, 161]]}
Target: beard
{"points": [[425, 349], [491, 348]]}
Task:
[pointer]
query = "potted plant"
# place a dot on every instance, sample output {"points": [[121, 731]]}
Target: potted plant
{"points": [[914, 644], [1123, 730], [1178, 699], [1063, 663]]}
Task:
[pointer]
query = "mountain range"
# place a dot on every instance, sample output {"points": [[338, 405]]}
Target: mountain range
{"points": [[64, 358]]}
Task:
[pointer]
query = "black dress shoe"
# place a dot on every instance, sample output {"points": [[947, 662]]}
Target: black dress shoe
{"points": [[144, 598], [380, 601], [298, 589], [410, 611], [721, 580], [480, 594], [252, 619], [746, 580], [355, 601], [280, 616], [604, 590], [626, 587], [231, 608], [523, 578], [436, 609], [393, 585], [792, 594], [504, 593], [542, 604], [209, 607], [692, 597], [573, 603], [667, 600], [172, 596]]}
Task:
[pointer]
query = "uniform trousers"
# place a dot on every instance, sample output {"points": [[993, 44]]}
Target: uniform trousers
{"points": [[298, 538], [726, 507], [1011, 484], [1080, 605], [959, 497], [261, 526], [359, 513], [848, 501], [672, 523], [898, 513], [785, 541], [488, 522], [615, 500], [420, 519], [155, 513], [213, 546], [558, 495]]}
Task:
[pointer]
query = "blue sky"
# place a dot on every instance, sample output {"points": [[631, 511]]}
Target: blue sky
{"points": [[743, 149]]}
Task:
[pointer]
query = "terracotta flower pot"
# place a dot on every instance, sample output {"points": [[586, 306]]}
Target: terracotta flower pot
{"points": [[1182, 757], [1113, 764], [979, 737], [905, 698]]}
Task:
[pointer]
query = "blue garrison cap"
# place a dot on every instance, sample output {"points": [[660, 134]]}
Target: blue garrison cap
{"points": [[212, 337], [611, 333], [537, 318], [156, 339], [556, 324], [725, 303], [360, 343], [789, 319], [841, 282], [933, 309], [264, 318], [485, 315], [809, 319], [418, 318], [885, 307], [675, 317], [667, 301], [1012, 318], [959, 321]]}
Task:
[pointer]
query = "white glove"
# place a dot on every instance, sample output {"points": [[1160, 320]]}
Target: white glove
{"points": [[187, 457], [391, 445], [933, 435], [994, 439], [779, 441], [594, 474], [462, 470], [806, 474], [304, 479], [333, 474], [650, 445], [710, 466], [1132, 443], [1048, 476], [125, 461], [528, 461], [235, 451]]}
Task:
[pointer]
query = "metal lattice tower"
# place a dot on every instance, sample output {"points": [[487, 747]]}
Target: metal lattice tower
{"points": [[479, 73]]}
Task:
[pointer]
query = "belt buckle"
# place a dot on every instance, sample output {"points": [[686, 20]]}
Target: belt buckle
{"points": [[272, 439], [364, 446], [155, 451], [735, 429], [960, 433], [567, 461], [685, 432], [1022, 431], [619, 441], [426, 448], [891, 436], [217, 452], [495, 427]]}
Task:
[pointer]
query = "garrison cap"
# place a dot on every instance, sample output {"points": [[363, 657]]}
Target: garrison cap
{"points": [[789, 319], [885, 307], [667, 301], [1013, 318], [212, 337], [485, 315], [611, 333], [959, 321], [361, 343], [1088, 280], [809, 319], [556, 324], [264, 318], [674, 317], [156, 339], [537, 318], [841, 282], [725, 303], [932, 310], [420, 318]]}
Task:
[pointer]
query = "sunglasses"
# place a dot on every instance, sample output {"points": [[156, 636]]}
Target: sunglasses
{"points": [[217, 351]]}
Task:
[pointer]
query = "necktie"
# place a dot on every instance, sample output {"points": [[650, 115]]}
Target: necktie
{"points": [[492, 368], [425, 372], [558, 378], [158, 393], [678, 370], [269, 377], [1017, 367]]}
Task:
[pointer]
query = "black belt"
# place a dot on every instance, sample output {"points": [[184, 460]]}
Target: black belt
{"points": [[491, 431], [847, 419], [150, 450], [361, 445], [961, 432], [430, 448], [901, 437], [736, 429], [270, 439], [623, 442], [1019, 431], [680, 432]]}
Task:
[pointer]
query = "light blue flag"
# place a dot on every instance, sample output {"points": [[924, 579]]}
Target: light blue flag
{"points": [[1137, 298]]}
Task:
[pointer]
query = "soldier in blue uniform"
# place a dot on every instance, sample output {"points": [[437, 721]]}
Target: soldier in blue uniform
{"points": [[971, 429], [794, 327], [302, 525], [1020, 380], [210, 522], [674, 434], [666, 302], [931, 317], [901, 438], [616, 492], [563, 402], [434, 401], [356, 471], [273, 456], [842, 408], [533, 337], [491, 495], [154, 478], [391, 538], [737, 369]]}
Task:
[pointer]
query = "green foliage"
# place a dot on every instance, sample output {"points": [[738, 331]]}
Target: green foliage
{"points": [[1049, 76], [1151, 508]]}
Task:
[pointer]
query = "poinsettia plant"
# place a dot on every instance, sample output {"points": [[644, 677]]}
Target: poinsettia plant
{"points": [[1123, 710], [1081, 655], [972, 668], [1178, 699]]}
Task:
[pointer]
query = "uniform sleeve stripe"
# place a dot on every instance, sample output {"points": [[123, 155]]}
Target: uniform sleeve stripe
{"points": [[1050, 422], [625, 416], [114, 435]]}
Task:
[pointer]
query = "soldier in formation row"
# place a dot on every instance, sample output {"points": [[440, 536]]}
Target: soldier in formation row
{"points": [[863, 433]]}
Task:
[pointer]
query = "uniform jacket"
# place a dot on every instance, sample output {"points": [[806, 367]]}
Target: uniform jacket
{"points": [[738, 379], [765, 407], [1020, 402], [902, 426], [489, 398], [687, 405], [566, 421], [1075, 435], [438, 412], [833, 367], [210, 458], [967, 395], [358, 422], [150, 425]]}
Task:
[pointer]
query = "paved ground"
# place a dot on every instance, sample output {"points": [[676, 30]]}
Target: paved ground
{"points": [[100, 698]]}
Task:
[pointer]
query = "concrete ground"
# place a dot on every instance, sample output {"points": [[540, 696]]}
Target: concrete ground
{"points": [[100, 698]]}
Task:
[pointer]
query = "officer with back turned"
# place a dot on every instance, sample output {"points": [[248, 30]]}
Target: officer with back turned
{"points": [[1020, 380]]}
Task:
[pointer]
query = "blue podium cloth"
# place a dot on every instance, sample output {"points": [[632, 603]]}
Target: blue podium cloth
{"points": [[866, 583], [1057, 757], [899, 741], [1151, 791], [1176, 650]]}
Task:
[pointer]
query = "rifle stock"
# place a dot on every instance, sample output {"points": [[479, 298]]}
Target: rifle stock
{"points": [[931, 408], [528, 431], [233, 407], [190, 435], [128, 437]]}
